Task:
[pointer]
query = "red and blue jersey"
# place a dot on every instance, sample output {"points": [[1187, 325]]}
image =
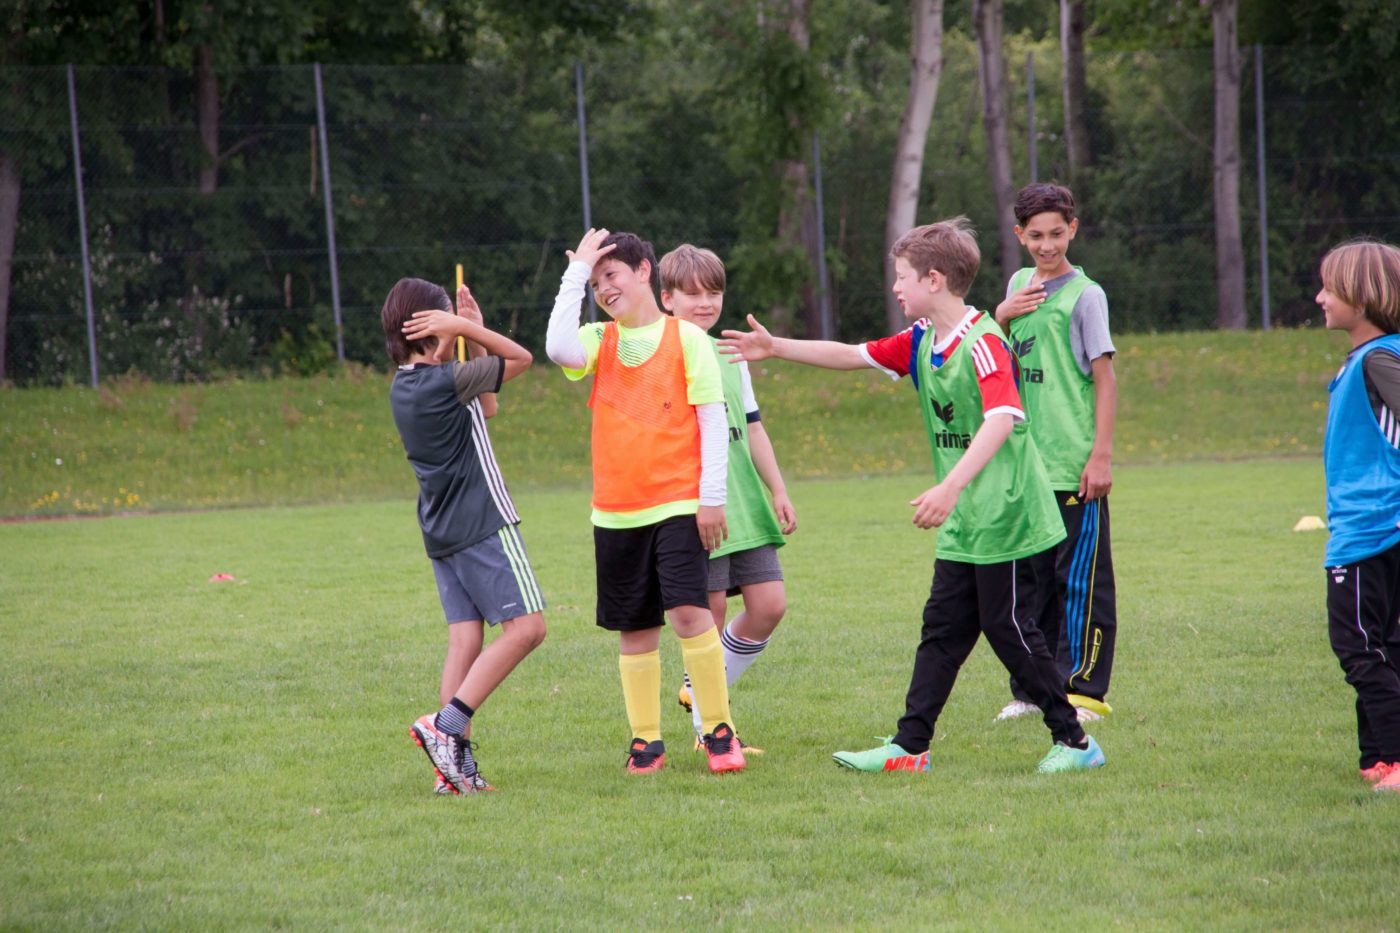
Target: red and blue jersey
{"points": [[998, 375]]}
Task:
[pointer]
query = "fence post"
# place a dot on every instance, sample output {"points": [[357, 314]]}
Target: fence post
{"points": [[330, 213], [583, 166], [82, 226], [1259, 153], [1030, 116], [823, 292]]}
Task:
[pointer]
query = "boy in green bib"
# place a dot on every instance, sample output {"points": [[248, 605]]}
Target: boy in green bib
{"points": [[992, 505], [1057, 318], [746, 564]]}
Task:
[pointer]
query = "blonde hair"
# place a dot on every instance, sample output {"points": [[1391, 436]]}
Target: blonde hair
{"points": [[689, 266], [948, 246], [1366, 275]]}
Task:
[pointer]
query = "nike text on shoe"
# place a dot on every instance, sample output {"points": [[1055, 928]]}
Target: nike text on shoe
{"points": [[886, 757], [441, 750], [1015, 710], [723, 749], [1064, 757], [646, 757]]}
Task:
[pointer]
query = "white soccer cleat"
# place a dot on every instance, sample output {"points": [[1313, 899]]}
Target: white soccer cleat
{"points": [[1015, 710]]}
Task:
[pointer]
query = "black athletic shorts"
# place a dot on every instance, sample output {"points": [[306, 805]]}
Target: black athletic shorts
{"points": [[644, 571]]}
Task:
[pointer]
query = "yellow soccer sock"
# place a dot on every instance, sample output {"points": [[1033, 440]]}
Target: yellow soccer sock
{"points": [[641, 691], [704, 661]]}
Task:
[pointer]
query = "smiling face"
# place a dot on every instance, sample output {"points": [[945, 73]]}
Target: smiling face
{"points": [[618, 288], [695, 303], [1337, 314], [1046, 236]]}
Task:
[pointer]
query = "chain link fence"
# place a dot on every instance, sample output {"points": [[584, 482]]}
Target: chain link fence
{"points": [[208, 233]]}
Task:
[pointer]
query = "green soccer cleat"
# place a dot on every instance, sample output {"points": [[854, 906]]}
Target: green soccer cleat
{"points": [[1068, 758], [887, 757]]}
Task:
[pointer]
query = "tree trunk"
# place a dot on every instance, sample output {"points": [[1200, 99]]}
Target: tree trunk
{"points": [[927, 46], [1229, 248], [991, 69], [9, 225], [796, 229], [207, 107], [1072, 60]]}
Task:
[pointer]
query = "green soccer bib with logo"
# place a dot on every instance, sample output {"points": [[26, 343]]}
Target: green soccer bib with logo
{"points": [[1008, 511]]}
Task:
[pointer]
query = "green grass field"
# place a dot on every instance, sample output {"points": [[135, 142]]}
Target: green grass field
{"points": [[178, 753]]}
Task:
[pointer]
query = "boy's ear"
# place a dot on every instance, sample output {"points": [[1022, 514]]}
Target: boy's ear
{"points": [[644, 270], [1073, 227], [666, 299]]}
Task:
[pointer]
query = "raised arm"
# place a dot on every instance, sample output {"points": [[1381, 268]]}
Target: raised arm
{"points": [[757, 344], [448, 327], [561, 342], [469, 309]]}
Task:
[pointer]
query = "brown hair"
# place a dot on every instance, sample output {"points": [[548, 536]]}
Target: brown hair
{"points": [[1366, 275], [631, 249], [1041, 199], [689, 266], [406, 297], [948, 246]]}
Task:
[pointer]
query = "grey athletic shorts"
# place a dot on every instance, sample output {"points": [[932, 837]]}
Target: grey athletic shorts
{"points": [[728, 572], [491, 580]]}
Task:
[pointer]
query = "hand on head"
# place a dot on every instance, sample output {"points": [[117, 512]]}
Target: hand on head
{"points": [[590, 248], [433, 323]]}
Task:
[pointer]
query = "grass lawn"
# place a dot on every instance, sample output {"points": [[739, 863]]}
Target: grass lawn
{"points": [[179, 754]]}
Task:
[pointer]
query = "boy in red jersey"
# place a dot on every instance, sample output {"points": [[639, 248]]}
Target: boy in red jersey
{"points": [[659, 442], [992, 503]]}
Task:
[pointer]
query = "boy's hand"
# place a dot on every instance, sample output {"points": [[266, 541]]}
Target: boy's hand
{"points": [[1021, 302], [713, 530], [1097, 478], [439, 324], [467, 306], [787, 515], [753, 346], [591, 248], [933, 507]]}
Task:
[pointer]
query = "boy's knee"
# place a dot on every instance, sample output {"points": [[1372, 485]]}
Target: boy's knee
{"points": [[529, 631]]}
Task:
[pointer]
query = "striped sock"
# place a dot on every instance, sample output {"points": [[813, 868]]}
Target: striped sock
{"points": [[454, 718], [739, 653]]}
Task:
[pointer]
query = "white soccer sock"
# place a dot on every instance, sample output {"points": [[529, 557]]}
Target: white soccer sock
{"points": [[739, 653]]}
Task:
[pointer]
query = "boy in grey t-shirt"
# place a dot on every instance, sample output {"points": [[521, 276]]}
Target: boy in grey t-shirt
{"points": [[464, 509]]}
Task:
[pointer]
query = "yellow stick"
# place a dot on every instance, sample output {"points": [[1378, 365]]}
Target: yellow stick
{"points": [[461, 341]]}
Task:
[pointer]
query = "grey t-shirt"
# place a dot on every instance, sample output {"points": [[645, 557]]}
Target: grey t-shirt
{"points": [[462, 497], [1089, 338]]}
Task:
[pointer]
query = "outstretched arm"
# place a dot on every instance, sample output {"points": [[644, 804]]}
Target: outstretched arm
{"points": [[757, 344]]}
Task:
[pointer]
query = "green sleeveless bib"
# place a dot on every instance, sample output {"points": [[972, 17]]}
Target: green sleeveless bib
{"points": [[1008, 511], [1058, 397], [747, 510]]}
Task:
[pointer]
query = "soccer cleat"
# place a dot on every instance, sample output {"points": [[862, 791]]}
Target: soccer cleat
{"points": [[1064, 757], [1390, 782], [747, 748], [1015, 710], [724, 750], [646, 757], [479, 784], [443, 750], [886, 757], [683, 698], [1380, 771], [1088, 708], [441, 784]]}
